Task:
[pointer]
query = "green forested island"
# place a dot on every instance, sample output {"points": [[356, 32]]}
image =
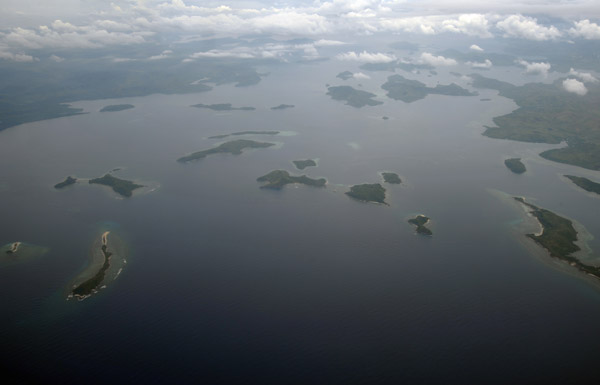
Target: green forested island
{"points": [[87, 287], [353, 97], [558, 237], [400, 88], [302, 164], [120, 186], [117, 107], [244, 133], [585, 183], [278, 178], [391, 177], [283, 107], [67, 182], [515, 165], [420, 221], [234, 147], [368, 193], [223, 107]]}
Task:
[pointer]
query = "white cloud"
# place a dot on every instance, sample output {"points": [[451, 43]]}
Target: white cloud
{"points": [[585, 76], [475, 47], [485, 64], [574, 86], [18, 57], [366, 57], [56, 59], [163, 55], [328, 43], [432, 60], [527, 27], [360, 75], [539, 68], [585, 29], [472, 24]]}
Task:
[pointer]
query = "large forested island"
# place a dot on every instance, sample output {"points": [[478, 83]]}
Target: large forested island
{"points": [[353, 97], [585, 183], [67, 182], [234, 147], [368, 193], [302, 164], [117, 107], [120, 186], [278, 178], [558, 236], [223, 107], [515, 165], [391, 178], [400, 88], [420, 221], [244, 133]]}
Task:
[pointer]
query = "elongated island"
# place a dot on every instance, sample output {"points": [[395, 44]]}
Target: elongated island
{"points": [[67, 182], [120, 186], [515, 165], [278, 178], [235, 147]]}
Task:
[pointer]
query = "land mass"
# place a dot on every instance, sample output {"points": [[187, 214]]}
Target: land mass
{"points": [[368, 193], [420, 221], [234, 147], [302, 164], [86, 288], [117, 107], [585, 183], [283, 107], [67, 182], [391, 177], [345, 75], [353, 97], [278, 178], [400, 88], [223, 107], [120, 186], [244, 133], [515, 165]]}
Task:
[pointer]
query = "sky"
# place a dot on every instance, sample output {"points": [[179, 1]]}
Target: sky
{"points": [[30, 27]]}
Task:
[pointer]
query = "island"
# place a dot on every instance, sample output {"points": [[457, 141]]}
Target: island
{"points": [[117, 107], [400, 88], [17, 252], [353, 97], [67, 182], [391, 177], [120, 186], [345, 75], [368, 193], [515, 165], [223, 107], [585, 183], [558, 237], [420, 221], [302, 164], [283, 107], [244, 133], [234, 147], [385, 118], [278, 178]]}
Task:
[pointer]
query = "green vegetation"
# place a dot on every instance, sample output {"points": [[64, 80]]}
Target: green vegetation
{"points": [[302, 164], [585, 183], [278, 178], [67, 182], [353, 97], [120, 186], [223, 107], [515, 165], [345, 75], [368, 193], [420, 221], [549, 114], [391, 177], [234, 147], [87, 287], [283, 107], [117, 107], [245, 133], [400, 88]]}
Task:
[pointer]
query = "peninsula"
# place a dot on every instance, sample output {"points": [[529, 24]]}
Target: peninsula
{"points": [[223, 107], [302, 164], [117, 107], [400, 88], [234, 147], [67, 182], [585, 183], [278, 178], [353, 97], [515, 165], [368, 193], [120, 186], [420, 221], [391, 177], [244, 133]]}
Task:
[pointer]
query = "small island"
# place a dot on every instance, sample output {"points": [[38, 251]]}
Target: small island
{"points": [[391, 177], [234, 147], [117, 107], [17, 252], [408, 91], [585, 183], [515, 165], [67, 182], [368, 193], [120, 186], [283, 107], [223, 107], [345, 75], [278, 178], [302, 164], [353, 97], [420, 221], [244, 133]]}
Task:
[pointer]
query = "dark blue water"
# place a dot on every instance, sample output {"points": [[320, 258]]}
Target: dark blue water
{"points": [[227, 283]]}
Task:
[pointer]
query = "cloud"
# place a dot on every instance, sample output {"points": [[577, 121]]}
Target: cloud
{"points": [[574, 86], [56, 59], [328, 43], [360, 75], [472, 24], [366, 57], [527, 27], [585, 76], [18, 57], [475, 47], [163, 55], [585, 29], [432, 60], [540, 68], [483, 65]]}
